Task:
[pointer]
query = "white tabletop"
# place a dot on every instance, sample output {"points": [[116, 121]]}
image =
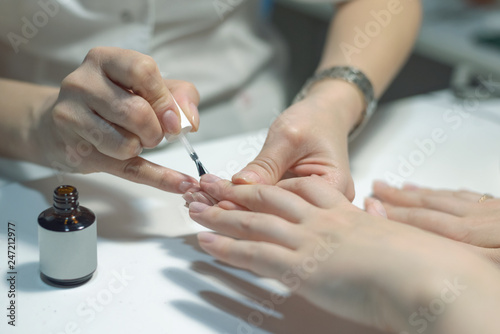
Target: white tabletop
{"points": [[153, 278]]}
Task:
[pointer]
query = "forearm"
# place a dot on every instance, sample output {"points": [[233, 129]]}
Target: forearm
{"points": [[22, 105], [445, 289], [473, 308], [375, 36]]}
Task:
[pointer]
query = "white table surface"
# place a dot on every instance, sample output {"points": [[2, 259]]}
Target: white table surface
{"points": [[168, 285]]}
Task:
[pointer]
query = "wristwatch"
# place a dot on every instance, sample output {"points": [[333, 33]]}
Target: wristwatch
{"points": [[351, 75]]}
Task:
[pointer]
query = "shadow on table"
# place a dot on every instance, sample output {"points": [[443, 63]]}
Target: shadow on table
{"points": [[240, 306], [118, 218]]}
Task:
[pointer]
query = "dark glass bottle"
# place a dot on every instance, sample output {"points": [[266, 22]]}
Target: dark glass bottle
{"points": [[67, 239]]}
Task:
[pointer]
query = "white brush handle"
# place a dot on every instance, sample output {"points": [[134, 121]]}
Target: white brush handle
{"points": [[185, 125]]}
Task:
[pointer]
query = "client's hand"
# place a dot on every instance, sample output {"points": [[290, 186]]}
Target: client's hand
{"points": [[363, 267], [463, 216]]}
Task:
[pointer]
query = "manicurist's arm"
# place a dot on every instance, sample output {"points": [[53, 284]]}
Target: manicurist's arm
{"points": [[310, 137]]}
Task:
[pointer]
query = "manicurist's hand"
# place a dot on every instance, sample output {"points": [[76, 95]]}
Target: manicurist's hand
{"points": [[107, 111], [310, 138], [462, 215], [366, 268]]}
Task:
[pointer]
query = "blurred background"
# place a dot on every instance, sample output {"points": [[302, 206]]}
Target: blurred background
{"points": [[458, 43]]}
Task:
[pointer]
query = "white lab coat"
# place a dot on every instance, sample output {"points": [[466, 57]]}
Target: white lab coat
{"points": [[222, 46]]}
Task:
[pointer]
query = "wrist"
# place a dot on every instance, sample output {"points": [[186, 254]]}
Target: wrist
{"points": [[23, 104], [40, 130], [343, 99]]}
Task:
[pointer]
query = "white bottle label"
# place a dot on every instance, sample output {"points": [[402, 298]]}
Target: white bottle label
{"points": [[68, 255]]}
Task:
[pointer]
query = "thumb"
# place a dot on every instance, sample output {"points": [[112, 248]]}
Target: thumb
{"points": [[268, 167], [188, 98]]}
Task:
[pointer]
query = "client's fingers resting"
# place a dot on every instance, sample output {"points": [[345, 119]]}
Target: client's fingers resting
{"points": [[262, 258], [247, 225]]}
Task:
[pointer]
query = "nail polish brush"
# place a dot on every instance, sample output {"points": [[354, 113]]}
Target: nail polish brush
{"points": [[185, 128]]}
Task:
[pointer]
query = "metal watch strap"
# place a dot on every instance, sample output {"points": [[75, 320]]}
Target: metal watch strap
{"points": [[351, 75]]}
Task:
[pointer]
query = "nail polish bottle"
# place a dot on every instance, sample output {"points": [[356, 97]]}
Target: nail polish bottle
{"points": [[67, 239]]}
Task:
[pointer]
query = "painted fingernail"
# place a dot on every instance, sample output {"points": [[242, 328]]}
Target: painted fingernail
{"points": [[247, 177], [185, 186], [377, 205], [193, 119], [410, 186], [171, 122], [188, 197], [380, 185], [207, 237], [197, 207], [210, 178], [198, 197]]}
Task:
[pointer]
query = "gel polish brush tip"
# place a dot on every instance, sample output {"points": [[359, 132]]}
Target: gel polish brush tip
{"points": [[201, 169]]}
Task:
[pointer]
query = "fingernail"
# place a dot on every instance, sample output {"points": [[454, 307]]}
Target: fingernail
{"points": [[247, 177], [139, 150], [202, 199], [193, 119], [185, 186], [409, 186], [210, 178], [206, 237], [368, 201], [197, 207], [171, 122], [381, 185], [379, 208], [188, 197]]}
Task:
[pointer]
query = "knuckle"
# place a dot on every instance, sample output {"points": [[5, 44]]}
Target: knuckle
{"points": [[269, 165], [129, 148], [248, 224], [74, 83], [187, 86], [136, 110], [165, 179], [143, 67], [61, 115], [294, 135], [261, 194], [132, 169], [94, 54], [250, 255]]}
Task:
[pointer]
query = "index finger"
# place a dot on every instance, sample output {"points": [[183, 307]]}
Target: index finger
{"points": [[137, 72], [142, 171], [266, 259]]}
